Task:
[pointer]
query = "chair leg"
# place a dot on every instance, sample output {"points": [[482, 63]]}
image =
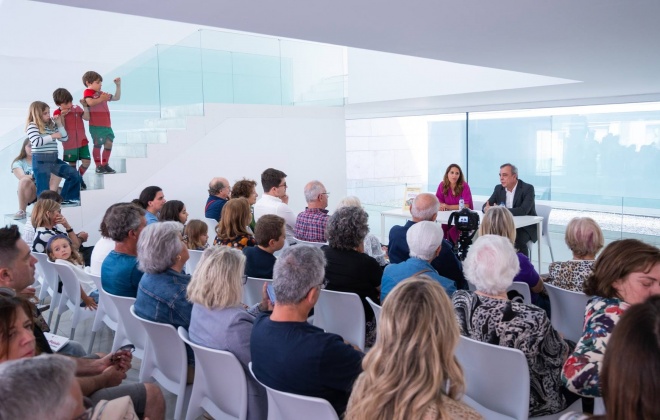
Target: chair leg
{"points": [[52, 311], [57, 322], [91, 342], [73, 333]]}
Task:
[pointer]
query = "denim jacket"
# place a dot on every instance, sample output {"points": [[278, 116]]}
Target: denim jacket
{"points": [[162, 298]]}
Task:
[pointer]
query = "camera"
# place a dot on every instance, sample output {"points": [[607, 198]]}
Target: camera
{"points": [[467, 223]]}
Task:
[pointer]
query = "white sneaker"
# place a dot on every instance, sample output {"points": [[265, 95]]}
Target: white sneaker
{"points": [[19, 215]]}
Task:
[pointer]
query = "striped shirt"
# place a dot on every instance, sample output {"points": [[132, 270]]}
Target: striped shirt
{"points": [[44, 143]]}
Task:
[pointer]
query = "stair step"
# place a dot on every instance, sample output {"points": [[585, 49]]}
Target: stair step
{"points": [[129, 150], [168, 123], [142, 136]]}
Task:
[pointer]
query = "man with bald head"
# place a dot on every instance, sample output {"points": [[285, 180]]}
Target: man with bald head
{"points": [[219, 190], [311, 223]]}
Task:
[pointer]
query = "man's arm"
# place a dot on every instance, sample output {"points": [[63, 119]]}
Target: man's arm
{"points": [[285, 212], [117, 94], [492, 201], [527, 200], [111, 376]]}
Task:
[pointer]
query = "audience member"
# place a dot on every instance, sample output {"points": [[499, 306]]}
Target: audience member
{"points": [[498, 221], [584, 238], [311, 223], [28, 231], [60, 251], [275, 201], [425, 208], [103, 246], [196, 235], [173, 211], [372, 246], [416, 341], [45, 216], [220, 321], [232, 230], [161, 295], [425, 241], [289, 354], [270, 234], [218, 196], [488, 315], [21, 167], [518, 197], [120, 274], [627, 272], [152, 200], [247, 189], [451, 190], [348, 268]]}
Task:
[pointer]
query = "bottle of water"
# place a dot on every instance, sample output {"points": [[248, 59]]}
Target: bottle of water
{"points": [[461, 203]]}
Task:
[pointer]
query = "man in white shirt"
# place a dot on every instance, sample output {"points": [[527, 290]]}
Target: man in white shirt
{"points": [[275, 201], [518, 197]]}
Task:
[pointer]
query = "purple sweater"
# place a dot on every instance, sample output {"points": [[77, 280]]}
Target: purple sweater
{"points": [[527, 275]]}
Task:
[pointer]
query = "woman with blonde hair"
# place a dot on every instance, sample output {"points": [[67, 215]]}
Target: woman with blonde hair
{"points": [[411, 372], [584, 238], [220, 321], [232, 230], [46, 215]]}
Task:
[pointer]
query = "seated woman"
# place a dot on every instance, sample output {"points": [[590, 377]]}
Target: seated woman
{"points": [[21, 167], [152, 200], [417, 337], [219, 320], [372, 245], [488, 315], [46, 215], [348, 268], [247, 189], [451, 190], [232, 230], [584, 238], [499, 221], [161, 293], [173, 211], [627, 272]]}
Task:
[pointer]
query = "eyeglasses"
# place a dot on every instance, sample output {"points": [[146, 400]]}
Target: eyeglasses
{"points": [[244, 277], [86, 415], [283, 185], [326, 193]]}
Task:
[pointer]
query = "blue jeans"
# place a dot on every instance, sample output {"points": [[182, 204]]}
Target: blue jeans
{"points": [[45, 164]]}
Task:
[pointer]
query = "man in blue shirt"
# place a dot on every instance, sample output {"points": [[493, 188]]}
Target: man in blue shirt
{"points": [[219, 190]]}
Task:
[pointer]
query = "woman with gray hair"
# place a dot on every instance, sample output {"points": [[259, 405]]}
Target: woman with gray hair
{"points": [[161, 296], [349, 269], [220, 321], [372, 245], [488, 315]]}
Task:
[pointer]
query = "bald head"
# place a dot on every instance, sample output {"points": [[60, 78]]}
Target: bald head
{"points": [[425, 207], [219, 187]]}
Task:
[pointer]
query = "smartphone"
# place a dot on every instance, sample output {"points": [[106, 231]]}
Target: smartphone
{"points": [[127, 347], [271, 292]]}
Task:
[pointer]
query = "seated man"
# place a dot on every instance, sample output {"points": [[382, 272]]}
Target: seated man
{"points": [[290, 355], [518, 197], [311, 223], [270, 235], [276, 201], [219, 190], [425, 241], [119, 272], [425, 208]]}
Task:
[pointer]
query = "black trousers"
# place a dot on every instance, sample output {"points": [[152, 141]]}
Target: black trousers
{"points": [[522, 237]]}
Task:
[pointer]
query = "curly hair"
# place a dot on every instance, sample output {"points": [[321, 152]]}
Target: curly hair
{"points": [[347, 228], [121, 219], [243, 188]]}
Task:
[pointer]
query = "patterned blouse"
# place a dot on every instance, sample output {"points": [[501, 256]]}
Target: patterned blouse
{"points": [[523, 327], [570, 275], [581, 370], [238, 242], [41, 237]]}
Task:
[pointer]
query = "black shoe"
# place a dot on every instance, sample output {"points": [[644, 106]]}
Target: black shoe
{"points": [[83, 186], [70, 203], [100, 169], [108, 170]]}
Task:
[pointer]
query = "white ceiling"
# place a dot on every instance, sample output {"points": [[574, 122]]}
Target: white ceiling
{"points": [[611, 47]]}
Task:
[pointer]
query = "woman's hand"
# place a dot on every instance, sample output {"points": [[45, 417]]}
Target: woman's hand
{"points": [[89, 303], [56, 135], [443, 207]]}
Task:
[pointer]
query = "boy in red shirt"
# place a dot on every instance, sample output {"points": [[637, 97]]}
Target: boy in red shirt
{"points": [[99, 122], [77, 147]]}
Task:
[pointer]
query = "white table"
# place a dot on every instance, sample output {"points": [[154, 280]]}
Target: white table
{"points": [[443, 218]]}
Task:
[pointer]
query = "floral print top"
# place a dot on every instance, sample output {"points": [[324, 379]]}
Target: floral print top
{"points": [[238, 242], [581, 370]]}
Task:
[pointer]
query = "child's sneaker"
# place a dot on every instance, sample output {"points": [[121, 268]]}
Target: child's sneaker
{"points": [[100, 169], [70, 203], [83, 186], [108, 170], [19, 215]]}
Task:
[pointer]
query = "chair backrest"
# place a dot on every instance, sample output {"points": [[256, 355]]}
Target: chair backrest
{"points": [[105, 302], [47, 270], [495, 377], [211, 223], [252, 290], [375, 307], [523, 289], [70, 282], [287, 406], [544, 211], [195, 256], [341, 313], [166, 350], [134, 330], [228, 390], [316, 244], [567, 311]]}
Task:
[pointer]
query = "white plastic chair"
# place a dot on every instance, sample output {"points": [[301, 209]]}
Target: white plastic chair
{"points": [[252, 290], [129, 329], [543, 211], [106, 313], [567, 311], [211, 223], [166, 361], [376, 308], [51, 282], [599, 406], [497, 379], [287, 406], [220, 386], [195, 256], [316, 244], [70, 297], [523, 289], [341, 313]]}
